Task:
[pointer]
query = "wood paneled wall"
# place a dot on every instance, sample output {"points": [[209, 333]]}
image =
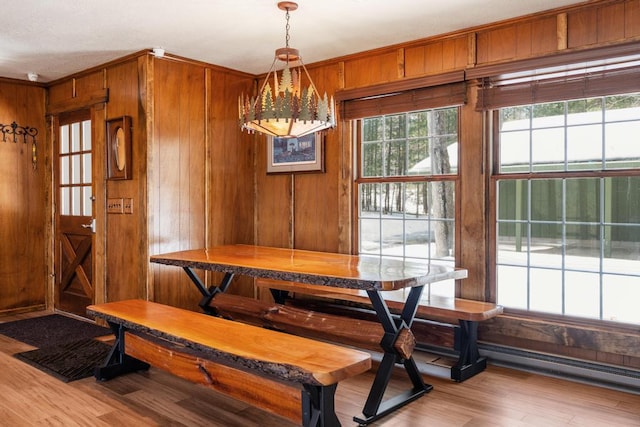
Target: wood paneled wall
{"points": [[200, 170], [192, 180], [24, 201], [177, 172], [126, 235]]}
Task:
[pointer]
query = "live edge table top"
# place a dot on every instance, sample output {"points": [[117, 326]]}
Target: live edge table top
{"points": [[316, 268]]}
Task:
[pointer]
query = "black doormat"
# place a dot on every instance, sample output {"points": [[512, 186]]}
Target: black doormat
{"points": [[70, 361], [51, 330], [66, 348]]}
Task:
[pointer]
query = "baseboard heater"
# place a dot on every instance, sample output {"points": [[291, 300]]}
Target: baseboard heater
{"points": [[603, 375]]}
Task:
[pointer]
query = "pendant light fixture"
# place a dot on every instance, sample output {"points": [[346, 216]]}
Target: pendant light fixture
{"points": [[286, 107]]}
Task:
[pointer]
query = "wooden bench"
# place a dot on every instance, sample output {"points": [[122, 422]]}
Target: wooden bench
{"points": [[458, 318], [287, 375]]}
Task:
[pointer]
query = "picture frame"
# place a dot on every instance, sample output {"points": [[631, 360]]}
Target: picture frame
{"points": [[288, 155], [119, 142]]}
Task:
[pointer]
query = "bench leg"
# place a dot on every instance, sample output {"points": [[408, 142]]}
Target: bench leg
{"points": [[117, 362], [318, 406], [466, 342]]}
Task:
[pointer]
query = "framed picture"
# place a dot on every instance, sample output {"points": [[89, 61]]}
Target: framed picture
{"points": [[119, 148], [304, 154]]}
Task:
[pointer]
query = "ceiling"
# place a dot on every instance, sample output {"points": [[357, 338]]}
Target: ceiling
{"points": [[58, 38]]}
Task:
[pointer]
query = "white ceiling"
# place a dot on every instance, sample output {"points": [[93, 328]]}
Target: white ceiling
{"points": [[55, 38]]}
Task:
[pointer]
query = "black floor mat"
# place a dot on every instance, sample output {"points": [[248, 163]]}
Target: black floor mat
{"points": [[70, 361], [66, 348], [51, 330]]}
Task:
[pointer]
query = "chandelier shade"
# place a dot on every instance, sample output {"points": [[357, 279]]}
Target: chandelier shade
{"points": [[288, 104]]}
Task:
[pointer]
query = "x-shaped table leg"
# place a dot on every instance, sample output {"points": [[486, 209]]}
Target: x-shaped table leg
{"points": [[396, 351]]}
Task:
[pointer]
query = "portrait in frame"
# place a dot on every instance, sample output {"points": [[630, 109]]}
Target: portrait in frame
{"points": [[303, 154]]}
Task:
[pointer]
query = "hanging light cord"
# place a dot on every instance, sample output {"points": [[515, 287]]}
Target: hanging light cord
{"points": [[287, 29]]}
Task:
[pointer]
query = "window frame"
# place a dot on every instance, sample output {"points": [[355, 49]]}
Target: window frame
{"points": [[359, 180], [493, 117]]}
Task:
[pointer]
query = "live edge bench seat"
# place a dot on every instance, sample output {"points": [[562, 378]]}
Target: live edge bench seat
{"points": [[463, 314], [291, 376]]}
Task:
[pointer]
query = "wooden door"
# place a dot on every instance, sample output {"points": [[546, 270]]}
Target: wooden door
{"points": [[75, 223]]}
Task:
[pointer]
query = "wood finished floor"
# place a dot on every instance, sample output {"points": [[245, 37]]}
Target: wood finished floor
{"points": [[496, 397]]}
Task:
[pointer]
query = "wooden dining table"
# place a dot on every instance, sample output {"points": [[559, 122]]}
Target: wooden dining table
{"points": [[373, 274]]}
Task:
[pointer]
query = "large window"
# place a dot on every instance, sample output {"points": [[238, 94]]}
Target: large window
{"points": [[406, 187], [568, 207]]}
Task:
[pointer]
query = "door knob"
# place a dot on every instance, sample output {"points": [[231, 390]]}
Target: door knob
{"points": [[91, 225]]}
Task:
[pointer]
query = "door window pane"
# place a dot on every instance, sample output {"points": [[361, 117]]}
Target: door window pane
{"points": [[86, 135], [75, 137], [86, 168], [76, 201], [87, 207], [64, 139], [64, 170], [75, 169], [65, 201]]}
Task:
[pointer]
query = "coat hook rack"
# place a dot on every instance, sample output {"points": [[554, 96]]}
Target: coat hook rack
{"points": [[24, 132]]}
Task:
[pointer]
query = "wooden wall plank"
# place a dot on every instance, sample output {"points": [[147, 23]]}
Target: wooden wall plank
{"points": [[460, 59], [99, 162], [125, 236], [611, 23], [523, 39], [230, 181], [179, 180], [370, 70], [436, 57], [274, 217], [582, 25], [61, 91], [544, 36], [497, 44], [414, 59], [434, 53], [89, 83], [24, 217], [632, 19], [315, 207], [230, 186]]}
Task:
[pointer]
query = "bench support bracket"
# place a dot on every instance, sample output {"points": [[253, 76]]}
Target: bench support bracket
{"points": [[318, 407], [117, 362], [466, 343]]}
